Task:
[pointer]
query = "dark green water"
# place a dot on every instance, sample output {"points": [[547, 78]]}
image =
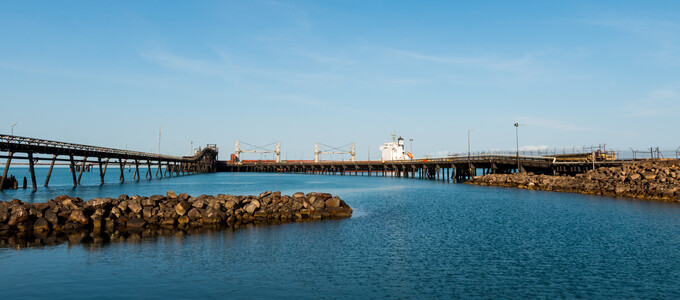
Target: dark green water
{"points": [[407, 239]]}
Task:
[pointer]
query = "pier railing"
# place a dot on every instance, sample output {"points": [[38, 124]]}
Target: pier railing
{"points": [[9, 143], [202, 162]]}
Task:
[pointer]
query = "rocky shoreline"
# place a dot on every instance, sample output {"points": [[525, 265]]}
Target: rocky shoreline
{"points": [[649, 180], [68, 216]]}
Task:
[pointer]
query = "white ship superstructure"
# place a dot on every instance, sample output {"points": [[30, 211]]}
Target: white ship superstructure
{"points": [[394, 150]]}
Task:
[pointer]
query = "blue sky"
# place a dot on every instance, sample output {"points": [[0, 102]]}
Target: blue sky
{"points": [[110, 73]]}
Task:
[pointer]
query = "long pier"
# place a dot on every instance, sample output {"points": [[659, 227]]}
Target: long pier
{"points": [[445, 168], [78, 156]]}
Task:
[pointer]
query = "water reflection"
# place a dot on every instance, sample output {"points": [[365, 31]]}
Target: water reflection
{"points": [[92, 240]]}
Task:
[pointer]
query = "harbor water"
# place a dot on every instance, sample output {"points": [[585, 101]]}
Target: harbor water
{"points": [[407, 238]]}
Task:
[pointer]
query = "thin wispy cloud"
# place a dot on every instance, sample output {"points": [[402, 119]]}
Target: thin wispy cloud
{"points": [[195, 66], [640, 25], [553, 124], [524, 65], [658, 103], [230, 71], [661, 36]]}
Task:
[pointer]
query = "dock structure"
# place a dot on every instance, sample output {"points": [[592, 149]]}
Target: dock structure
{"points": [[79, 157], [459, 168]]}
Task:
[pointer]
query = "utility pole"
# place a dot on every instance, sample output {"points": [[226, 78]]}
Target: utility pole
{"points": [[469, 130], [159, 140], [517, 125]]}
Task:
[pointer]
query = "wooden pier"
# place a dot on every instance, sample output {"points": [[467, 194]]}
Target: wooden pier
{"points": [[459, 168], [79, 157]]}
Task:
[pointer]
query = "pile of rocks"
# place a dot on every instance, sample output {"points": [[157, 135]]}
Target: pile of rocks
{"points": [[70, 214], [653, 180]]}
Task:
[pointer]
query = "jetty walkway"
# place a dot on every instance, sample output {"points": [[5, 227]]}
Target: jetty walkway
{"points": [[203, 162], [453, 167]]}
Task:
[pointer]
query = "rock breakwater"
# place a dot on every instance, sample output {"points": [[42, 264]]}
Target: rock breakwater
{"points": [[652, 180], [66, 214]]}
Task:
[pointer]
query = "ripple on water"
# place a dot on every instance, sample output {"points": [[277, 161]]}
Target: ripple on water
{"points": [[406, 239]]}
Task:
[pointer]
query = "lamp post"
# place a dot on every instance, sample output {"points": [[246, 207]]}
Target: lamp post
{"points": [[517, 125], [15, 124], [469, 130], [411, 140]]}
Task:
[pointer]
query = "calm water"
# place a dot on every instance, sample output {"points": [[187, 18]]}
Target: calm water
{"points": [[407, 239]]}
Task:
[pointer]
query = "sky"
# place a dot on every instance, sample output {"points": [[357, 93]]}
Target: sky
{"points": [[110, 73]]}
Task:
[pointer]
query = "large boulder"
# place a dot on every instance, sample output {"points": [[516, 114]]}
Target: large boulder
{"points": [[148, 202], [147, 212], [319, 204], [182, 207], [52, 218], [4, 216], [18, 216], [183, 220], [98, 202], [156, 198], [61, 198], [649, 175], [230, 204], [41, 225], [333, 202], [78, 216], [135, 222], [194, 214], [135, 206], [211, 216], [251, 207], [620, 189]]}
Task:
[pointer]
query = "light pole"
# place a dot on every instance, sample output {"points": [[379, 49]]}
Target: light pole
{"points": [[517, 125], [411, 140], [469, 130], [15, 124], [126, 146]]}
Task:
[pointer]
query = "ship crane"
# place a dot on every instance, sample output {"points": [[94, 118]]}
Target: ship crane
{"points": [[258, 149], [337, 150]]}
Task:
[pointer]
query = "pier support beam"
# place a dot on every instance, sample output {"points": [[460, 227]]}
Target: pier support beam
{"points": [[4, 172], [101, 170], [32, 170], [122, 170], [73, 170], [49, 173], [136, 175], [82, 168]]}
